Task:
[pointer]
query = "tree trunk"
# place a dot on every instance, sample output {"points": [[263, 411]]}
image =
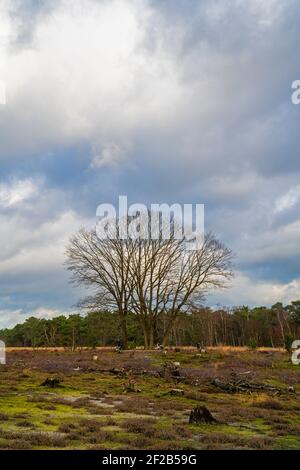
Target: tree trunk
{"points": [[124, 331], [73, 338], [281, 327], [167, 333], [151, 337], [148, 336]]}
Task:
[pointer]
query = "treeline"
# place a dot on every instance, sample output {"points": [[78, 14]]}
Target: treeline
{"points": [[242, 326]]}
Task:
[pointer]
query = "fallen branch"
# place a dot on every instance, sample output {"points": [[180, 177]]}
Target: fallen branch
{"points": [[239, 384]]}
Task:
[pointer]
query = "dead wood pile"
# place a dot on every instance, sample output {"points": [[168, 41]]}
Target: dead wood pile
{"points": [[241, 383]]}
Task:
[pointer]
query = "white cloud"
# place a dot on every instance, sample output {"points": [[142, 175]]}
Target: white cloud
{"points": [[9, 318], [89, 73], [195, 101], [267, 12], [110, 154], [38, 250], [17, 191], [4, 35], [288, 200], [248, 291], [231, 186], [281, 244], [109, 72]]}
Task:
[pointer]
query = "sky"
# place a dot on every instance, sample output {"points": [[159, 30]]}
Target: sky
{"points": [[184, 101]]}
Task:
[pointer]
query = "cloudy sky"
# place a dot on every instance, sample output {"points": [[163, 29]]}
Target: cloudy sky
{"points": [[162, 100]]}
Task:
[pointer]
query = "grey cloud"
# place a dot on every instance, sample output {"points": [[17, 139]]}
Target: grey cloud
{"points": [[192, 104]]}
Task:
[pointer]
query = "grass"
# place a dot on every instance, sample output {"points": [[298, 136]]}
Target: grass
{"points": [[91, 411]]}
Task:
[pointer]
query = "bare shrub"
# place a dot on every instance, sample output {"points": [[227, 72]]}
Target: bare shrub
{"points": [[81, 402], [269, 404], [137, 425], [25, 424], [66, 427]]}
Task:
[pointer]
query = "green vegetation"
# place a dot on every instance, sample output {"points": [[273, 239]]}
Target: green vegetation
{"points": [[93, 408]]}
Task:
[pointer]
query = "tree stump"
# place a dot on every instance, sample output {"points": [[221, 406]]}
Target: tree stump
{"points": [[51, 382], [201, 415]]}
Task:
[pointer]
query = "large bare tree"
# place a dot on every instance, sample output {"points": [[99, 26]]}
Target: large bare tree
{"points": [[148, 277]]}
